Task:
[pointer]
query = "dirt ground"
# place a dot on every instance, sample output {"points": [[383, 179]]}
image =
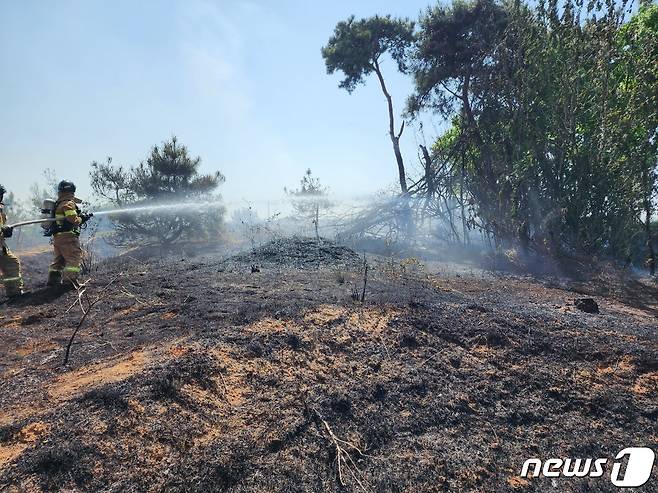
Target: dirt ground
{"points": [[258, 374]]}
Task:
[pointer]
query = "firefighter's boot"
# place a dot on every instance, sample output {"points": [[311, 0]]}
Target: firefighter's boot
{"points": [[13, 286], [10, 269], [54, 278], [13, 291]]}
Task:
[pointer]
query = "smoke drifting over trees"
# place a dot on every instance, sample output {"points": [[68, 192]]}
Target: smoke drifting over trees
{"points": [[310, 200], [547, 140], [552, 124]]}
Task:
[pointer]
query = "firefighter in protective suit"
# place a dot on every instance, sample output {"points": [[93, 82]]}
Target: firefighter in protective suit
{"points": [[65, 268], [10, 267]]}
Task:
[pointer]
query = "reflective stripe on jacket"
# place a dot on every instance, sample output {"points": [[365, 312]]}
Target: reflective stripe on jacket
{"points": [[3, 221], [66, 213]]}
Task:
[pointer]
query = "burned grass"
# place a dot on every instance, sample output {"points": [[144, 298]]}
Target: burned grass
{"points": [[299, 253], [271, 380]]}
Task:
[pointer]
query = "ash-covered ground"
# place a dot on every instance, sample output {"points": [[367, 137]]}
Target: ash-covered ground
{"points": [[261, 372]]}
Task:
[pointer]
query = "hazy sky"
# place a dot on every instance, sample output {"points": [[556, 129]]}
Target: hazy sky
{"points": [[241, 83]]}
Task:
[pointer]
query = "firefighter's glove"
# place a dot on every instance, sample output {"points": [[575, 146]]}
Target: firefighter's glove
{"points": [[86, 217], [7, 232]]}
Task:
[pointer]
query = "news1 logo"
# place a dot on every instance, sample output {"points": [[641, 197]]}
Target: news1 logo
{"points": [[637, 472]]}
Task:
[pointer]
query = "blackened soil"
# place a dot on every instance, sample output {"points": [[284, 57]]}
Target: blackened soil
{"points": [[191, 376], [299, 253]]}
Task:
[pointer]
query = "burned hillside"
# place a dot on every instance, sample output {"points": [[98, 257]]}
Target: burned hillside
{"points": [[207, 374], [313, 247]]}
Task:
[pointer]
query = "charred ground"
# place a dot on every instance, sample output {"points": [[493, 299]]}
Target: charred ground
{"points": [[212, 374]]}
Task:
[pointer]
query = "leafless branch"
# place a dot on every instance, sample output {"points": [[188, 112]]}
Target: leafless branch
{"points": [[225, 389], [401, 130], [365, 278], [342, 448], [81, 290]]}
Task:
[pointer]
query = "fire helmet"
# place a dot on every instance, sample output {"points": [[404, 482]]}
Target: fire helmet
{"points": [[3, 190], [66, 187]]}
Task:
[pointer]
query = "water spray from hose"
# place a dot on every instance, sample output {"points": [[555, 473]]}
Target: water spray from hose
{"points": [[197, 207], [169, 207]]}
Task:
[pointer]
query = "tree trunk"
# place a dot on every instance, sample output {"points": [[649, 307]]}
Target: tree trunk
{"points": [[429, 176], [467, 240], [395, 139], [648, 237]]}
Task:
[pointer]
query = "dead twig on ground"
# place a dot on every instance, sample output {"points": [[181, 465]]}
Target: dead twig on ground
{"points": [[130, 295], [108, 343], [225, 389], [365, 277], [429, 358], [342, 447], [81, 289], [381, 339]]}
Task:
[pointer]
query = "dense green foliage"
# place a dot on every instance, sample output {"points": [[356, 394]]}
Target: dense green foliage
{"points": [[169, 176], [356, 47], [553, 114]]}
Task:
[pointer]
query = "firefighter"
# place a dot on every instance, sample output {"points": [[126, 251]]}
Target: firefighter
{"points": [[10, 267], [65, 268]]}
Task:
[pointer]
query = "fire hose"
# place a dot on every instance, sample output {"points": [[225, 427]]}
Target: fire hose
{"points": [[48, 216], [86, 217], [31, 221]]}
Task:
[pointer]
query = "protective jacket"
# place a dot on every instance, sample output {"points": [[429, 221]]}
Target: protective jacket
{"points": [[67, 260], [3, 221], [10, 267], [67, 214]]}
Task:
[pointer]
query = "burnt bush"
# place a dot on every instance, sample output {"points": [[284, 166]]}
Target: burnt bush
{"points": [[197, 368], [255, 348], [164, 386], [61, 462], [294, 341], [341, 405], [108, 398], [8, 431]]}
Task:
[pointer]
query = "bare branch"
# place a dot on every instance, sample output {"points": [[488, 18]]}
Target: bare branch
{"points": [[81, 289], [401, 130], [344, 460]]}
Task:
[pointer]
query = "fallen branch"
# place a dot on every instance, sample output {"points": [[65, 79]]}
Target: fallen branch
{"points": [[225, 389], [430, 358], [365, 277], [81, 289], [343, 458], [130, 295], [381, 339]]}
